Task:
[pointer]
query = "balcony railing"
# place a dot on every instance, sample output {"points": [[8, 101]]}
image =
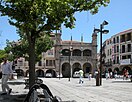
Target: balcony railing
{"points": [[76, 58]]}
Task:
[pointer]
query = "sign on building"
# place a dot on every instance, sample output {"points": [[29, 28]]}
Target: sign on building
{"points": [[125, 61]]}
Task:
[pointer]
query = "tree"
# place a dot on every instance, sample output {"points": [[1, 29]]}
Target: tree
{"points": [[31, 17]]}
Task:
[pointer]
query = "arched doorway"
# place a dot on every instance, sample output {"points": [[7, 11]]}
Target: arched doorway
{"points": [[87, 68], [117, 69], [110, 70], [52, 72], [66, 70], [40, 73], [127, 68], [76, 67]]}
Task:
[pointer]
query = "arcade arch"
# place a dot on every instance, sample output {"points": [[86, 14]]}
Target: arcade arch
{"points": [[87, 52], [39, 73], [76, 52], [51, 71], [87, 68], [76, 67], [66, 69]]}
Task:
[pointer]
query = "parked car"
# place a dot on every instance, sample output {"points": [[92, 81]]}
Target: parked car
{"points": [[48, 75], [59, 76], [76, 74]]}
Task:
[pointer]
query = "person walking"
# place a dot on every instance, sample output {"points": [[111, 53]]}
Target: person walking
{"points": [[89, 75], [115, 74], [124, 74], [81, 76], [107, 75], [6, 69]]}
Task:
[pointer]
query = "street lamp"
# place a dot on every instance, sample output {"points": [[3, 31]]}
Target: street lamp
{"points": [[70, 50], [101, 32], [60, 62]]}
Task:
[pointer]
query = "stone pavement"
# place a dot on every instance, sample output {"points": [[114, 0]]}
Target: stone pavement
{"points": [[111, 90]]}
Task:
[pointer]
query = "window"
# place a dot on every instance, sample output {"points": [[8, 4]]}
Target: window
{"points": [[114, 61], [117, 59], [123, 57], [50, 62], [110, 51], [107, 42], [114, 40], [129, 47], [114, 48], [129, 56], [117, 39], [117, 49], [110, 61], [122, 38], [128, 36], [123, 48]]}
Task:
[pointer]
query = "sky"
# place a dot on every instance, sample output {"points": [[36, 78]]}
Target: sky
{"points": [[117, 14]]}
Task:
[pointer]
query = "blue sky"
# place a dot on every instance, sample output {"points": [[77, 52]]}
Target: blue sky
{"points": [[117, 13]]}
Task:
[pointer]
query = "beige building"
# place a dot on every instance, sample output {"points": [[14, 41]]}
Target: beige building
{"points": [[65, 58], [118, 52]]}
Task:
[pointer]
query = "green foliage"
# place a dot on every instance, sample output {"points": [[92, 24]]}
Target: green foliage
{"points": [[47, 14], [20, 48], [3, 54]]}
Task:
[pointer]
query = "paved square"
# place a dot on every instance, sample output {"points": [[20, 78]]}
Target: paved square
{"points": [[111, 90]]}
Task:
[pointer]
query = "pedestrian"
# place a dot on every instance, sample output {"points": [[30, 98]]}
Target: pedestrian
{"points": [[107, 75], [124, 74], [89, 75], [127, 73], [6, 69], [111, 74], [81, 76], [115, 74]]}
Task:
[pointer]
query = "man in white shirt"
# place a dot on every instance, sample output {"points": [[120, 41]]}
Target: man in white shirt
{"points": [[6, 69], [81, 76]]}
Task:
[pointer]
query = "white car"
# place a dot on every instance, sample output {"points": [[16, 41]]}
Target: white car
{"points": [[59, 76], [48, 75], [76, 74]]}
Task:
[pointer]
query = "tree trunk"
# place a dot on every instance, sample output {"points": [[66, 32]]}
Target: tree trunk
{"points": [[31, 61]]}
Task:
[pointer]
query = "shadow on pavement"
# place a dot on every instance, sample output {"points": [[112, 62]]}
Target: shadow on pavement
{"points": [[123, 81], [86, 86], [12, 98], [15, 83]]}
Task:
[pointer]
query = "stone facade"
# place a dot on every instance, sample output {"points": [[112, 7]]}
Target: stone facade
{"points": [[118, 52], [66, 57]]}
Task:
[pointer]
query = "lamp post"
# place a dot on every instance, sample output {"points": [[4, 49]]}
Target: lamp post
{"points": [[101, 32], [60, 62], [70, 50], [69, 65]]}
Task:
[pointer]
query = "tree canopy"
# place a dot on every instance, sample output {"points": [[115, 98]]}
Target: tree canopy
{"points": [[31, 17], [20, 48]]}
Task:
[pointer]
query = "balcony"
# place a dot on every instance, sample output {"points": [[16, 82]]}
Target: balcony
{"points": [[76, 58]]}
